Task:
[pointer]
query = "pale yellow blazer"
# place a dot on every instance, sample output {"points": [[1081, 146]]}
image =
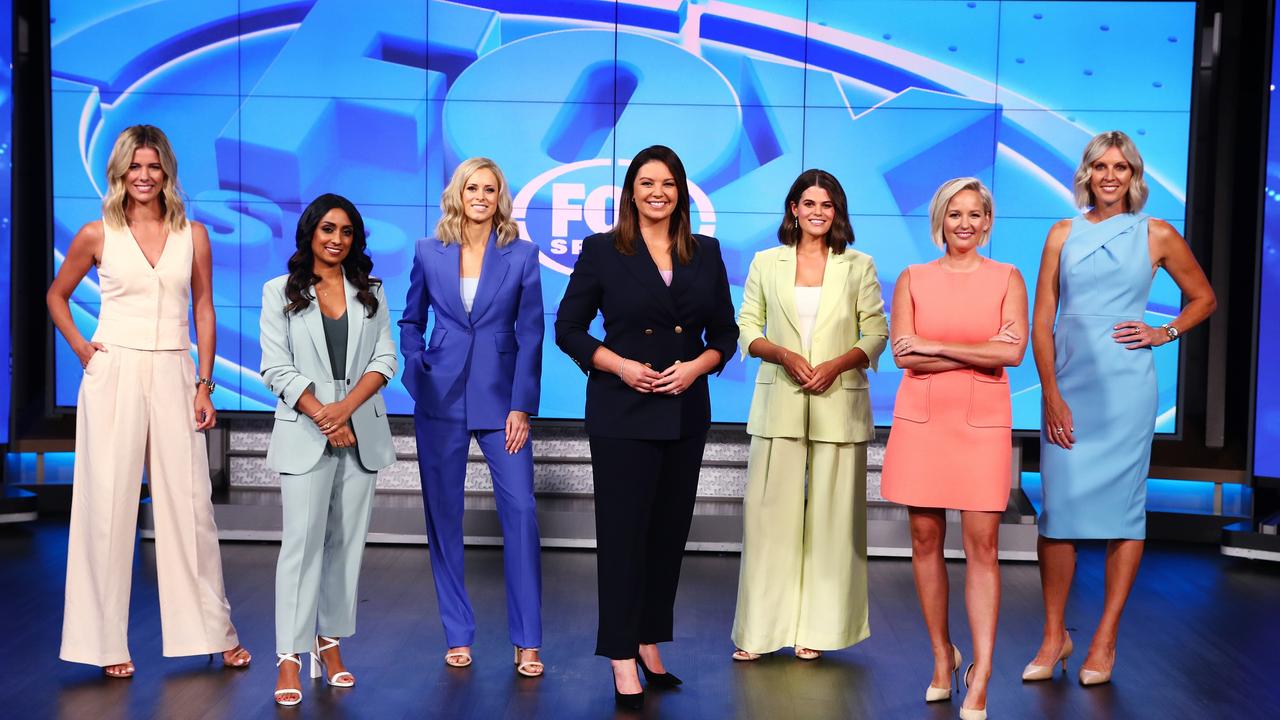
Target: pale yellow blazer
{"points": [[850, 314]]}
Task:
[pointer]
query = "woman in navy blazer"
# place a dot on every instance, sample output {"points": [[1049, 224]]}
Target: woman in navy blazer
{"points": [[478, 375], [668, 322]]}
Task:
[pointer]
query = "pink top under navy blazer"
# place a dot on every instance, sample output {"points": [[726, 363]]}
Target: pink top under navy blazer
{"points": [[646, 321], [490, 357]]}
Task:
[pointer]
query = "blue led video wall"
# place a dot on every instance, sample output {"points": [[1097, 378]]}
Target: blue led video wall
{"points": [[271, 103], [6, 177], [1266, 437]]}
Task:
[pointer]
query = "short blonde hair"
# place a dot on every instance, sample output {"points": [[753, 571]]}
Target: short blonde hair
{"points": [[942, 198], [117, 199], [449, 229], [1097, 147]]}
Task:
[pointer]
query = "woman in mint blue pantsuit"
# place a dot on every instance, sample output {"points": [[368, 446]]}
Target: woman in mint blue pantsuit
{"points": [[478, 374], [1099, 386], [326, 353]]}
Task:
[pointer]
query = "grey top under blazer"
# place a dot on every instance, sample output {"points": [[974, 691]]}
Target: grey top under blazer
{"points": [[295, 357]]}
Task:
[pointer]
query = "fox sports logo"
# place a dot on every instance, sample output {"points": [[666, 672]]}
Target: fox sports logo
{"points": [[565, 204]]}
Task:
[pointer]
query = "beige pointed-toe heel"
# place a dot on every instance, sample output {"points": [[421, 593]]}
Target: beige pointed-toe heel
{"points": [[972, 713], [1033, 672], [936, 694], [1094, 677]]}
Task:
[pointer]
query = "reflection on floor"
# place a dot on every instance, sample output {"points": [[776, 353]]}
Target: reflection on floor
{"points": [[1199, 639]]}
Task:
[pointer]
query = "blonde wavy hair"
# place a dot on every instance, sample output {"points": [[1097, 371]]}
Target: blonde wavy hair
{"points": [[942, 198], [1097, 147], [449, 229], [117, 199]]}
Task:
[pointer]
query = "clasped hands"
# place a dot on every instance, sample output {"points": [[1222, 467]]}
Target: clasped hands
{"points": [[811, 378], [334, 420], [672, 381]]}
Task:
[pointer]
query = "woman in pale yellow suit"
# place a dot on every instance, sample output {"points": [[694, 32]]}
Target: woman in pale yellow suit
{"points": [[812, 311], [142, 401]]}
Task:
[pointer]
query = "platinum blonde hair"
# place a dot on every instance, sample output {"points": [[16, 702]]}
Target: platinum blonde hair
{"points": [[942, 198], [449, 229], [117, 199], [1097, 147]]}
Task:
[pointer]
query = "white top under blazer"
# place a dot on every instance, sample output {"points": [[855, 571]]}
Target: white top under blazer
{"points": [[144, 307], [807, 312], [468, 286]]}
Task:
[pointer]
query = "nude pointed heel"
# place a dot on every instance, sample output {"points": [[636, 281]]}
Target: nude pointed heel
{"points": [[1033, 672], [935, 694], [971, 713], [1097, 677]]}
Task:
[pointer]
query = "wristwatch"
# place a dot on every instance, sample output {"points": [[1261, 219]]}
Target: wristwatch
{"points": [[207, 382], [1171, 331]]}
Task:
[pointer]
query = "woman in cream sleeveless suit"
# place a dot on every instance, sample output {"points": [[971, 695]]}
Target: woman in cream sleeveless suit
{"points": [[326, 353], [142, 402], [812, 310]]}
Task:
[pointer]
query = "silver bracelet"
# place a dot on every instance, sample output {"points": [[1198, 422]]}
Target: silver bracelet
{"points": [[621, 362]]}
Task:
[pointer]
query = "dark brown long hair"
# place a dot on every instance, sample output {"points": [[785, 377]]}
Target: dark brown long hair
{"points": [[627, 229], [356, 266], [840, 235]]}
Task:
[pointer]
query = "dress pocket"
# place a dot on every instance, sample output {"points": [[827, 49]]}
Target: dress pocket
{"points": [[989, 401], [913, 397]]}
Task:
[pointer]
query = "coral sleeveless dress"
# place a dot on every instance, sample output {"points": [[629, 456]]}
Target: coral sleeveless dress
{"points": [[951, 442], [1098, 488]]}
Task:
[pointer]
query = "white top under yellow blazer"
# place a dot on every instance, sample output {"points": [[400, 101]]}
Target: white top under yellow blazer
{"points": [[850, 314]]}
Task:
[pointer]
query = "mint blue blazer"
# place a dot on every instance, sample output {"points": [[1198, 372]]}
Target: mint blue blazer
{"points": [[295, 357]]}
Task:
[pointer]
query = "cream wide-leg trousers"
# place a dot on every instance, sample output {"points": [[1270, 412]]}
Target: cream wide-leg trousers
{"points": [[136, 406], [803, 576]]}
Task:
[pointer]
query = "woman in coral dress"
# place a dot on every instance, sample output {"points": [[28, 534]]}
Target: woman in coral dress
{"points": [[956, 324]]}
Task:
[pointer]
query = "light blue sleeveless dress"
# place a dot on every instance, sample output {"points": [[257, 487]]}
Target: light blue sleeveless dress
{"points": [[1098, 488]]}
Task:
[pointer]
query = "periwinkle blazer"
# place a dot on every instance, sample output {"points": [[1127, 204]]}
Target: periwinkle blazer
{"points": [[295, 357], [850, 314], [498, 345], [646, 321]]}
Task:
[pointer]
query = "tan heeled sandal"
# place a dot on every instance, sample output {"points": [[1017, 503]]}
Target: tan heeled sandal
{"points": [[528, 668]]}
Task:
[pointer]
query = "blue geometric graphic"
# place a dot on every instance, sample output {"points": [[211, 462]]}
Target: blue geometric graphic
{"points": [[271, 103]]}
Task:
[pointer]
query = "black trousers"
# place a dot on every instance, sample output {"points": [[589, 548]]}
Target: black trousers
{"points": [[644, 495]]}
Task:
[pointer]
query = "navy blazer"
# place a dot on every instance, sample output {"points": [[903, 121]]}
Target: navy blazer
{"points": [[495, 351], [646, 321]]}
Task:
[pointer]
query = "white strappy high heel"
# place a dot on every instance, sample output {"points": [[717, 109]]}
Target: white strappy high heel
{"points": [[293, 658], [342, 679]]}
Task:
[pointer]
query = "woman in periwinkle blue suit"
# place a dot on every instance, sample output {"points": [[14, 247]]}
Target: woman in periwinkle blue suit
{"points": [[1099, 386], [326, 354], [478, 375]]}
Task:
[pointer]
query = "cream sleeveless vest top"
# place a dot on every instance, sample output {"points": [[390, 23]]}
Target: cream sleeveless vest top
{"points": [[144, 307]]}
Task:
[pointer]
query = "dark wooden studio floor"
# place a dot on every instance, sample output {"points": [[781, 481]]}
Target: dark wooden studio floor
{"points": [[1201, 639]]}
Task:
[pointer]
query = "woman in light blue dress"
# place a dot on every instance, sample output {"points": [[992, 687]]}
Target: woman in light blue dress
{"points": [[1099, 386]]}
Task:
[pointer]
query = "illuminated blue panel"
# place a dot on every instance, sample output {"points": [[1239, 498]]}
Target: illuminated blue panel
{"points": [[1266, 437], [270, 103], [6, 133]]}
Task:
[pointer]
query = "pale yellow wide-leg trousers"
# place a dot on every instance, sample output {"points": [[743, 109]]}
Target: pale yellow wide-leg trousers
{"points": [[803, 576], [136, 406]]}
